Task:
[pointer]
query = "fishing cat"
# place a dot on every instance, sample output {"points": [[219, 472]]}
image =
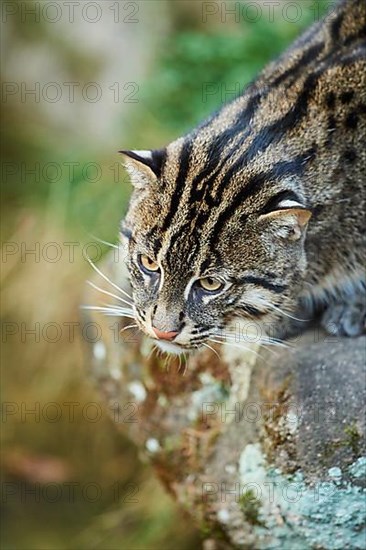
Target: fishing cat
{"points": [[258, 212]]}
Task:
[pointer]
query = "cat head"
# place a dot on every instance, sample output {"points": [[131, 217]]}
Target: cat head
{"points": [[209, 240]]}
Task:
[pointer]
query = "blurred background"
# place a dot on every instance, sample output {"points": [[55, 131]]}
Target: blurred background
{"points": [[81, 80]]}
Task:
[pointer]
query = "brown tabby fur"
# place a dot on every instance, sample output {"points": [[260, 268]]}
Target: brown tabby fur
{"points": [[267, 196]]}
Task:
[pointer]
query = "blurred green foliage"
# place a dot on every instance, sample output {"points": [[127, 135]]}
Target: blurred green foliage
{"points": [[221, 63]]}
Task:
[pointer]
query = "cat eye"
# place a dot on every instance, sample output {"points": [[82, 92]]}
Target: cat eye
{"points": [[147, 264], [210, 284]]}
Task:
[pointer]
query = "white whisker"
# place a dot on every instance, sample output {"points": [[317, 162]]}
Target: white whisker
{"points": [[117, 307], [236, 340], [275, 342], [244, 348], [103, 242], [90, 283], [153, 349], [107, 279], [117, 314], [275, 308], [212, 349], [128, 327], [224, 340], [168, 360], [109, 311], [185, 364]]}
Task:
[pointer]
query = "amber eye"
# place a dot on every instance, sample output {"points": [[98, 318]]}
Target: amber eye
{"points": [[148, 264], [210, 284]]}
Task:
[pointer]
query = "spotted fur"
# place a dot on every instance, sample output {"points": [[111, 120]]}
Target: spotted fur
{"points": [[267, 196]]}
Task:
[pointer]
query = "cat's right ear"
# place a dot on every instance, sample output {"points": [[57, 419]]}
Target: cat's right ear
{"points": [[143, 167]]}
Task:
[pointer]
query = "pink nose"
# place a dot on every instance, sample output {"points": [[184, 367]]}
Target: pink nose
{"points": [[164, 335]]}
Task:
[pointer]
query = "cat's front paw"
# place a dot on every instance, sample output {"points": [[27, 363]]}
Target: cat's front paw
{"points": [[346, 318]]}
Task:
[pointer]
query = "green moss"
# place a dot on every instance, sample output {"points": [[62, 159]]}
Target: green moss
{"points": [[352, 441], [213, 531], [250, 506], [205, 529], [353, 438]]}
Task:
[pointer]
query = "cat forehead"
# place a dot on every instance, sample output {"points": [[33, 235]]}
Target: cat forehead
{"points": [[202, 158], [180, 258], [190, 155]]}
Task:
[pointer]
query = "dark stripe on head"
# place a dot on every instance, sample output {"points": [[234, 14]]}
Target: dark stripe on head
{"points": [[351, 120], [346, 97], [156, 244], [179, 183], [273, 203], [336, 27], [261, 281], [215, 161], [159, 157], [307, 57], [360, 35], [330, 100], [176, 238]]}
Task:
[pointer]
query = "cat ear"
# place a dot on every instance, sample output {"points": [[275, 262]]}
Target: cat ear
{"points": [[289, 223], [144, 167]]}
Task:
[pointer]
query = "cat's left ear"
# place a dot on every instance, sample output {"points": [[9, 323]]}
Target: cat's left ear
{"points": [[144, 167], [289, 223]]}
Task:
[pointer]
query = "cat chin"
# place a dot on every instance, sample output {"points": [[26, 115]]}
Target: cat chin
{"points": [[170, 348]]}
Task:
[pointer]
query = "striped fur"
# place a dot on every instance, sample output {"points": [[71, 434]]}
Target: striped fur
{"points": [[233, 197]]}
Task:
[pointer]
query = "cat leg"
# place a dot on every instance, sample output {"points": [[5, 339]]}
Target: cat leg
{"points": [[346, 316]]}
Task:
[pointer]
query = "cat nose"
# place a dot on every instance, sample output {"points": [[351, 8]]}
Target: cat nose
{"points": [[161, 335]]}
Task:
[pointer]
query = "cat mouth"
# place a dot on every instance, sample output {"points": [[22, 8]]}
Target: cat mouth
{"points": [[170, 347], [167, 346]]}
